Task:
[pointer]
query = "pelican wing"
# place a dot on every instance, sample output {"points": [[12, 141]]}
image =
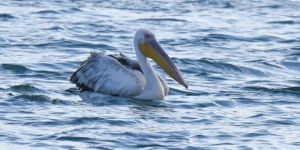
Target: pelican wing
{"points": [[105, 74], [126, 61]]}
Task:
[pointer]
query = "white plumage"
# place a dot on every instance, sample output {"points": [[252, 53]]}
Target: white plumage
{"points": [[121, 76]]}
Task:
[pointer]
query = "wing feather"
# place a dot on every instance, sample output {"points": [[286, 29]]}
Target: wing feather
{"points": [[107, 75]]}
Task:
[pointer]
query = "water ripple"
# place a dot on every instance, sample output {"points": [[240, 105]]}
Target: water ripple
{"points": [[286, 91], [47, 12], [6, 17], [25, 89], [25, 99], [212, 66], [225, 37], [15, 68], [239, 58], [284, 22]]}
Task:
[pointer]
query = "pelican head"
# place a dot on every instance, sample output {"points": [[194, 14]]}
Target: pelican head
{"points": [[149, 47]]}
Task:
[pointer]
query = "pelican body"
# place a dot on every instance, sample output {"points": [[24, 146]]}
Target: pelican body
{"points": [[122, 76]]}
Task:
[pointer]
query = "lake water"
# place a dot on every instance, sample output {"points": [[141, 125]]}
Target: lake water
{"points": [[241, 60]]}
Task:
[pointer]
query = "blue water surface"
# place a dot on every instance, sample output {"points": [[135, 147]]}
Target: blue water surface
{"points": [[241, 60]]}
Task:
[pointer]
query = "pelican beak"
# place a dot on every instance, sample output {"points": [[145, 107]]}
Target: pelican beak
{"points": [[152, 49]]}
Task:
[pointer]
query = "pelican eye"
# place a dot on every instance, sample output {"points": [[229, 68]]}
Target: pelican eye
{"points": [[148, 36]]}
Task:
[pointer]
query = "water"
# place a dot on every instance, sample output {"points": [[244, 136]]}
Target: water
{"points": [[241, 60]]}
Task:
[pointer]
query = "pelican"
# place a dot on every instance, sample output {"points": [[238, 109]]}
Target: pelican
{"points": [[122, 76]]}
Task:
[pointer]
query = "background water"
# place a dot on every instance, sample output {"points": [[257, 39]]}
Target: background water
{"points": [[241, 60]]}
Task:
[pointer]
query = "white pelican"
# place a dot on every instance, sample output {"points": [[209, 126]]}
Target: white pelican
{"points": [[121, 76]]}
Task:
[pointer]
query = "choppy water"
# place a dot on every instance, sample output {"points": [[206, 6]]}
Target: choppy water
{"points": [[241, 60]]}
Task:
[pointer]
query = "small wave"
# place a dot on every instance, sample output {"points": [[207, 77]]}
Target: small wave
{"points": [[285, 22], [47, 12], [296, 47], [290, 41], [225, 37], [288, 90], [291, 64], [281, 122], [293, 89], [231, 68], [75, 44], [75, 9], [224, 136], [163, 19], [211, 3], [257, 116], [225, 103], [200, 136], [71, 10], [34, 98], [149, 145], [272, 64], [296, 144], [265, 38], [83, 120], [200, 66], [54, 69], [44, 73], [22, 71], [5, 17], [174, 91], [75, 138], [88, 120], [25, 89], [55, 28], [204, 105], [184, 104], [274, 6], [18, 69], [255, 134], [247, 101], [24, 99]]}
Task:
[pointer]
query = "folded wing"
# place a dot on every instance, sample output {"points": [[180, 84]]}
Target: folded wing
{"points": [[105, 74]]}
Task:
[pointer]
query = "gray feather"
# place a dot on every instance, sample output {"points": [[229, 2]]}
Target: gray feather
{"points": [[109, 75]]}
